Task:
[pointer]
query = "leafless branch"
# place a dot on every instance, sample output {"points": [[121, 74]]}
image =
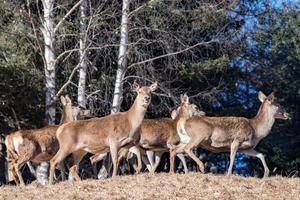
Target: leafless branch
{"points": [[67, 15], [171, 54]]}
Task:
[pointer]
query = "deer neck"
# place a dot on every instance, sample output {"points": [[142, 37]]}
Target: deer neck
{"points": [[66, 116], [180, 121], [262, 123], [136, 115]]}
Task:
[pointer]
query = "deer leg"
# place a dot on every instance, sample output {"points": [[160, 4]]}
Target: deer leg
{"points": [[18, 167], [97, 157], [22, 160], [12, 176], [172, 159], [31, 169], [188, 149], [62, 169], [145, 161], [114, 149], [150, 156], [77, 157], [157, 160], [59, 157], [181, 157], [233, 149], [15, 176], [122, 153], [173, 152], [126, 141], [137, 152], [252, 152]]}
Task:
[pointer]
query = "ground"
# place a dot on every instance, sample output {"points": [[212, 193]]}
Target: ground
{"points": [[162, 186]]}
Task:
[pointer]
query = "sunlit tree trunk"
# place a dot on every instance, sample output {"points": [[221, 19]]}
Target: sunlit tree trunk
{"points": [[82, 56], [81, 98], [48, 35], [122, 59], [122, 65]]}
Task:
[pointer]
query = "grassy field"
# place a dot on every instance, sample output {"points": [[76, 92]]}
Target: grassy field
{"points": [[162, 186]]}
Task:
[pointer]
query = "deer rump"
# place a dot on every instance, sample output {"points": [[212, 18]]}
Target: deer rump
{"points": [[37, 145]]}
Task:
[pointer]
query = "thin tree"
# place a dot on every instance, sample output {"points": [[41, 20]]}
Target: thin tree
{"points": [[49, 30], [81, 98], [118, 90], [122, 58], [49, 66]]}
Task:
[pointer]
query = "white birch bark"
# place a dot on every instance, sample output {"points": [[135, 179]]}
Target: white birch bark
{"points": [[82, 62], [122, 59], [48, 35], [118, 91], [82, 56]]}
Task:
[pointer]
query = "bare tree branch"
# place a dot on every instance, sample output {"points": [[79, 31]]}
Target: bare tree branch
{"points": [[67, 15], [171, 54]]}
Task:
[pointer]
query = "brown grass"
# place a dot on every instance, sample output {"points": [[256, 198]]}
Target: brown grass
{"points": [[162, 186]]}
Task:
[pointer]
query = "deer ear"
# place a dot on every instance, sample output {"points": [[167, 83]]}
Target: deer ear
{"points": [[271, 97], [174, 114], [135, 86], [153, 86], [181, 98], [68, 100], [63, 100], [261, 96], [184, 98]]}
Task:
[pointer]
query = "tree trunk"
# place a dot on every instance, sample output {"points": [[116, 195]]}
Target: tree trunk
{"points": [[83, 64], [122, 59], [118, 91], [48, 34], [82, 56]]}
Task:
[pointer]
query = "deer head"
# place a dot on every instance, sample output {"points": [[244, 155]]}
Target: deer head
{"points": [[191, 109], [184, 110], [144, 94], [194, 110], [70, 113], [269, 105]]}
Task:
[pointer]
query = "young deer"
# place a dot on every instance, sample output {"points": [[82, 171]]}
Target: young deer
{"points": [[101, 135], [232, 134], [36, 145]]}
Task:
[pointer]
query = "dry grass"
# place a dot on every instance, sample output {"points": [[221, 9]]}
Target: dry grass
{"points": [[162, 186]]}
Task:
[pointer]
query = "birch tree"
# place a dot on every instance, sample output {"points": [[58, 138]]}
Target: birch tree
{"points": [[121, 70], [48, 31], [81, 98], [122, 58], [49, 66]]}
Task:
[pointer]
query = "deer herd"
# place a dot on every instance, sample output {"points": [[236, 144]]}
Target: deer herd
{"points": [[125, 134]]}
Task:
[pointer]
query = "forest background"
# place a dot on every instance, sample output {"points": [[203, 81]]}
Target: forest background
{"points": [[221, 53]]}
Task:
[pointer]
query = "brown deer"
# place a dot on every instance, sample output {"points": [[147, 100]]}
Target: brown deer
{"points": [[231, 134], [36, 145], [101, 135], [160, 135], [156, 137]]}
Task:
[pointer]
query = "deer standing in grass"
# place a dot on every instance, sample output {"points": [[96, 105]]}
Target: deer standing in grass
{"points": [[231, 134], [158, 136], [36, 145], [101, 135]]}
